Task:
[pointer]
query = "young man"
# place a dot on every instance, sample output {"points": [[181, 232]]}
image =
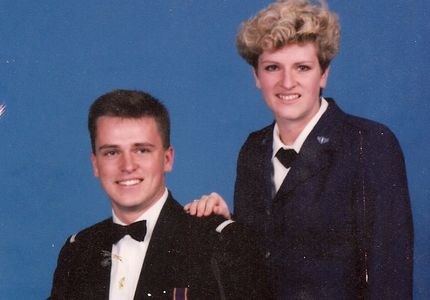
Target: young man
{"points": [[150, 248]]}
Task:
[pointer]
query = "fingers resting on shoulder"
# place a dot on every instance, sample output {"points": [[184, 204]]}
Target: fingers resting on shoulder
{"points": [[208, 205]]}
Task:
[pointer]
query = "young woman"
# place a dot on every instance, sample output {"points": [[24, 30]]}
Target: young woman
{"points": [[325, 192]]}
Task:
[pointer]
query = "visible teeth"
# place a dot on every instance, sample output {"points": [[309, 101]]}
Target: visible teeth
{"points": [[288, 97], [129, 182]]}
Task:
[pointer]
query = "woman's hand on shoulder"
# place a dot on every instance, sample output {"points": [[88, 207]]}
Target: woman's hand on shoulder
{"points": [[208, 205]]}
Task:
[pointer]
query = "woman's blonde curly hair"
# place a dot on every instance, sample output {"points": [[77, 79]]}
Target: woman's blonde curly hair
{"points": [[290, 22]]}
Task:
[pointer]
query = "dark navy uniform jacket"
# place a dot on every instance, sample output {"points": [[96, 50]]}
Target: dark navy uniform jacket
{"points": [[340, 226], [185, 256]]}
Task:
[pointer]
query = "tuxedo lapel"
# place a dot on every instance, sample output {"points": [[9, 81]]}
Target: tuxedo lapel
{"points": [[102, 270], [97, 262], [317, 151], [159, 265]]}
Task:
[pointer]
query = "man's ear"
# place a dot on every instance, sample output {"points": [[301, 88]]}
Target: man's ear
{"points": [[94, 163], [169, 157]]}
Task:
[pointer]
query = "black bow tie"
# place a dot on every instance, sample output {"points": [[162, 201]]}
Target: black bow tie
{"points": [[136, 230], [286, 156]]}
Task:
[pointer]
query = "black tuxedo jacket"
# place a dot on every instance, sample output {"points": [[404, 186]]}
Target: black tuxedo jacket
{"points": [[342, 213], [184, 252]]}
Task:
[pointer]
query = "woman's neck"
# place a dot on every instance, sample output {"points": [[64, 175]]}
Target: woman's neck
{"points": [[288, 132]]}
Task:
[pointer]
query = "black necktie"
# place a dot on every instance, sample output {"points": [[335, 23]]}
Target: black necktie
{"points": [[286, 156], [136, 230]]}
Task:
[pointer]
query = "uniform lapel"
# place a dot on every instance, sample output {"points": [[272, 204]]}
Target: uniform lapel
{"points": [[317, 151], [266, 167]]}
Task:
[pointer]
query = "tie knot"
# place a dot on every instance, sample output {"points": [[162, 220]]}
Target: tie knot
{"points": [[136, 230], [286, 156]]}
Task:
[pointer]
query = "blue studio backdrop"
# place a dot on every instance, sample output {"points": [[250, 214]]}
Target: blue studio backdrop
{"points": [[56, 57]]}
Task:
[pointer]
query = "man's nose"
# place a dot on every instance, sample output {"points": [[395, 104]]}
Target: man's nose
{"points": [[128, 163]]}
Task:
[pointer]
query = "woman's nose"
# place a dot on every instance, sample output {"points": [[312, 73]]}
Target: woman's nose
{"points": [[287, 79]]}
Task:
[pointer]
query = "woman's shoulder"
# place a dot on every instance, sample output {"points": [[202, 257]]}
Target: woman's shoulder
{"points": [[374, 135], [367, 127], [262, 135], [353, 123]]}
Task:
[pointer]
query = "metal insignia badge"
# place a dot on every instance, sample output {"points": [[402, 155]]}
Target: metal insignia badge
{"points": [[107, 258], [323, 139], [2, 109]]}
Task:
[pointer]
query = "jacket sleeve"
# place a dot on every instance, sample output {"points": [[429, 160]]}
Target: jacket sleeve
{"points": [[242, 188], [388, 218], [250, 186], [238, 257], [234, 260]]}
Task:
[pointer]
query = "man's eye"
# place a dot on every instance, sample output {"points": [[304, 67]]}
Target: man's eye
{"points": [[110, 153], [142, 150], [271, 68], [303, 68]]}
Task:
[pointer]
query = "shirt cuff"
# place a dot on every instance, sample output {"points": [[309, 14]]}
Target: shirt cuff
{"points": [[223, 225]]}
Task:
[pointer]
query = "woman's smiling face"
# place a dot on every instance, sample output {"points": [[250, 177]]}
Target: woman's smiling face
{"points": [[290, 79]]}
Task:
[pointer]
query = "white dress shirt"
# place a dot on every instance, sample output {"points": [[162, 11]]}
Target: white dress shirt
{"points": [[279, 170], [128, 255]]}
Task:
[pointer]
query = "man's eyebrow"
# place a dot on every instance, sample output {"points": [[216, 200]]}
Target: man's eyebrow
{"points": [[144, 145], [107, 146], [113, 146]]}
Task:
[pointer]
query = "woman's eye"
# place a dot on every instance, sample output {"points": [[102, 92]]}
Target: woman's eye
{"points": [[271, 68]]}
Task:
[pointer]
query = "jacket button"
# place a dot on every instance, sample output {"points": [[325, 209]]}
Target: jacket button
{"points": [[267, 255], [267, 212]]}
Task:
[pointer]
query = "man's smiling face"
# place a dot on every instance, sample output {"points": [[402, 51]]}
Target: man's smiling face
{"points": [[131, 162]]}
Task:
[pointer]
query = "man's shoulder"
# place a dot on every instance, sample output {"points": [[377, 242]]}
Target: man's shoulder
{"points": [[172, 209], [91, 234], [80, 247], [176, 213]]}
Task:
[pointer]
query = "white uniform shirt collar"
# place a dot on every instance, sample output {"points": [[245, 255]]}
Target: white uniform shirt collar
{"points": [[298, 143], [128, 254], [151, 215], [279, 170]]}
